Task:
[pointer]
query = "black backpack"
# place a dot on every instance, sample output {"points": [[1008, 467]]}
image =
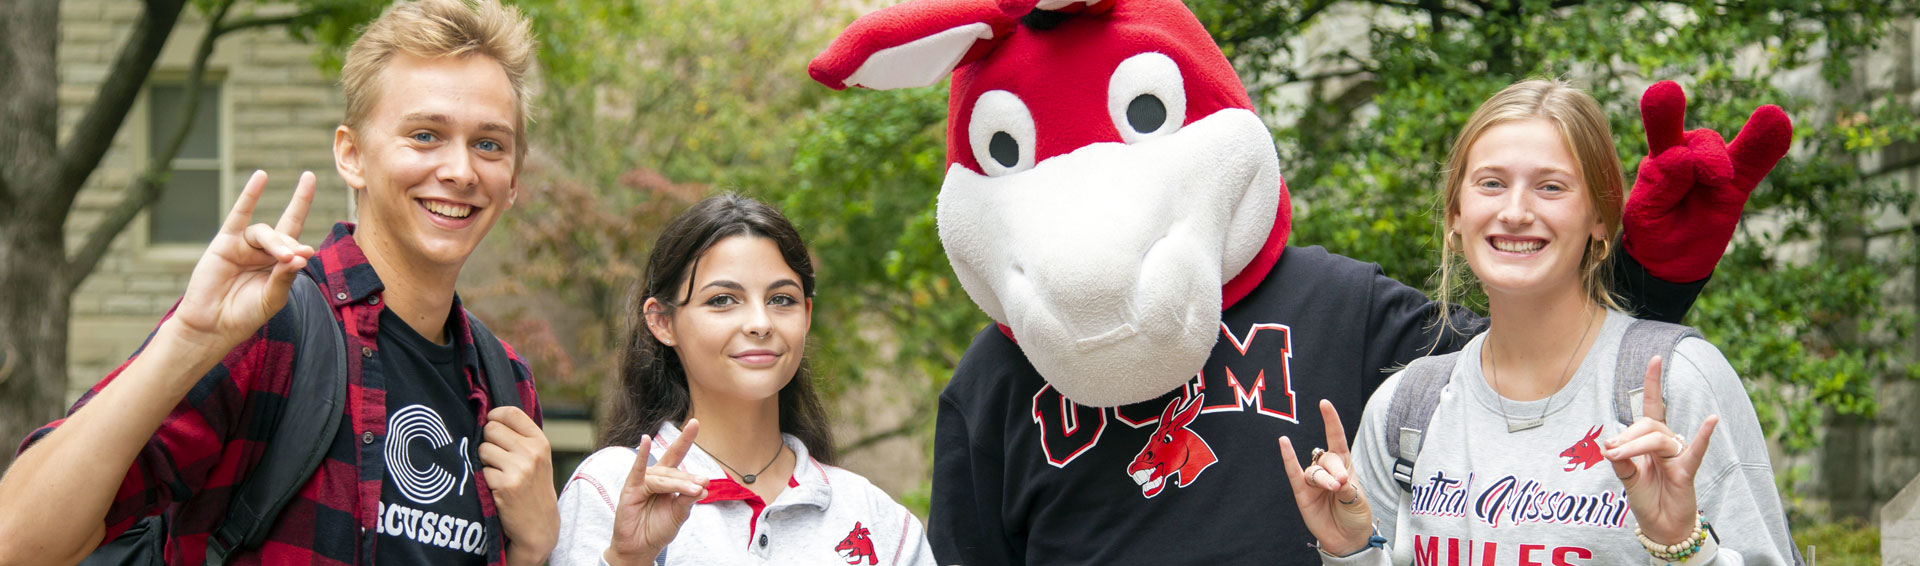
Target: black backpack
{"points": [[315, 402]]}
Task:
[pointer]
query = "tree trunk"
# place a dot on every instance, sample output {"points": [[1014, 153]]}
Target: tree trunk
{"points": [[38, 182], [34, 298], [33, 328]]}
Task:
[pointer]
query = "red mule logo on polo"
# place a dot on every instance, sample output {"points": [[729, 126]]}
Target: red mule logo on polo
{"points": [[857, 546], [1173, 450]]}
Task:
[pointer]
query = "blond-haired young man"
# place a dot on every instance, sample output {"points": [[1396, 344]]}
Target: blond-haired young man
{"points": [[422, 468]]}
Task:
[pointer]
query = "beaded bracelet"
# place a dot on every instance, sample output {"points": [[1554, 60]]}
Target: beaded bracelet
{"points": [[1680, 551], [1374, 541]]}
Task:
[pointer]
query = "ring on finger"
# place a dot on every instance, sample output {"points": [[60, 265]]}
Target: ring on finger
{"points": [[1350, 500], [1680, 446], [1317, 453], [1635, 472]]}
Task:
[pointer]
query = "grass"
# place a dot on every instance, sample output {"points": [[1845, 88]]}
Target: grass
{"points": [[1851, 542]]}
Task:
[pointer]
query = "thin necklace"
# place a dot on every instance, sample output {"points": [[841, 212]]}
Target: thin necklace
{"points": [[745, 478], [1513, 427]]}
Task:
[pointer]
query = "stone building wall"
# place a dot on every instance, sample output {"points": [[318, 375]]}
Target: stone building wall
{"points": [[278, 114], [1885, 444]]}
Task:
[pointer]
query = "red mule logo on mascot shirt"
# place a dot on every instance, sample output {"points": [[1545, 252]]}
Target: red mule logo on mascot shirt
{"points": [[857, 546], [1173, 450], [1109, 188]]}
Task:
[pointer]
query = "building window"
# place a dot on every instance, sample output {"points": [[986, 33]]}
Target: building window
{"points": [[189, 208]]}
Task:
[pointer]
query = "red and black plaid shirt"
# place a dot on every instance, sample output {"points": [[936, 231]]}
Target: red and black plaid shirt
{"points": [[212, 439]]}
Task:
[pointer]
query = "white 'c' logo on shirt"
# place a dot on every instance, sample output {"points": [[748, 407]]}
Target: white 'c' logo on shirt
{"points": [[428, 482]]}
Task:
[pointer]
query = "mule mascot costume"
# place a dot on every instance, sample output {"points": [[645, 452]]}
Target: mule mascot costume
{"points": [[1113, 201]]}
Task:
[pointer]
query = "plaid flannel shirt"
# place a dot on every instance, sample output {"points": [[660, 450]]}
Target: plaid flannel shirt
{"points": [[210, 441]]}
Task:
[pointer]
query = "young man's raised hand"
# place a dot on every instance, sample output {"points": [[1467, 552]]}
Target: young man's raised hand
{"points": [[54, 497], [243, 278]]}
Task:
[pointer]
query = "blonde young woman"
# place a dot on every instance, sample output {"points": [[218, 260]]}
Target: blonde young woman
{"points": [[1524, 461]]}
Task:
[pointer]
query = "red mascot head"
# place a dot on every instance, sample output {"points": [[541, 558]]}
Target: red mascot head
{"points": [[1109, 188]]}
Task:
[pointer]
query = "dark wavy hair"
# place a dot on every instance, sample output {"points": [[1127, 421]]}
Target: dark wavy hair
{"points": [[655, 382]]}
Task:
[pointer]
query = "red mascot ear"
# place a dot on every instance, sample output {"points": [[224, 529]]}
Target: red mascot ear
{"points": [[912, 44]]}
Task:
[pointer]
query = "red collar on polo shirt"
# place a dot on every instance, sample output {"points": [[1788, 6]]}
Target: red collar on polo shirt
{"points": [[725, 489]]}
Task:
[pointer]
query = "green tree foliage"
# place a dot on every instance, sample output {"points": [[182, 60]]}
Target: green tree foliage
{"points": [[1797, 304], [864, 179], [645, 108], [648, 106]]}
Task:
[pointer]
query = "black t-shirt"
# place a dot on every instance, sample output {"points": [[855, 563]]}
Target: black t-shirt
{"points": [[429, 506]]}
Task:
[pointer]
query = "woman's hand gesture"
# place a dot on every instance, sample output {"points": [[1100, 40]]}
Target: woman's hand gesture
{"points": [[1658, 467], [243, 278], [655, 502], [1327, 491]]}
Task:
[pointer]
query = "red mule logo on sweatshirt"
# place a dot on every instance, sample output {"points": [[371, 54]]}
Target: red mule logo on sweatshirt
{"points": [[1173, 450], [857, 546], [1583, 454]]}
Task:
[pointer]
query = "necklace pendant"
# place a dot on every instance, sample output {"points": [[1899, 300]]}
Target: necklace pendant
{"points": [[1512, 426], [750, 477]]}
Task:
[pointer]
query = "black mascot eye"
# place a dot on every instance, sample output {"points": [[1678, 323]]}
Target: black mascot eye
{"points": [[1004, 149], [1166, 439], [1146, 113]]}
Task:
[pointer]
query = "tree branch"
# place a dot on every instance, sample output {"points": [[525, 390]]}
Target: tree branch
{"points": [[1912, 229], [1308, 14], [1355, 96], [1899, 166], [913, 424], [102, 118], [1436, 9], [146, 188], [1342, 73], [250, 23]]}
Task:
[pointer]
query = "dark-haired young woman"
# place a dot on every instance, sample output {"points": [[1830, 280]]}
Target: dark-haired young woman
{"points": [[718, 394]]}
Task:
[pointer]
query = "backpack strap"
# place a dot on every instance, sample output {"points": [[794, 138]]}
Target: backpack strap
{"points": [[302, 431], [1407, 417], [494, 363], [1411, 410], [1644, 340]]}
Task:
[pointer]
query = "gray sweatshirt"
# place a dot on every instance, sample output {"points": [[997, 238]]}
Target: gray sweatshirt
{"points": [[1486, 496]]}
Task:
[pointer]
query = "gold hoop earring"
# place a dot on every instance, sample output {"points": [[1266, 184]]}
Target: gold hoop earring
{"points": [[1451, 236], [1606, 249]]}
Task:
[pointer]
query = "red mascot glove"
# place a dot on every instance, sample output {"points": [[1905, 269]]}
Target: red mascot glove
{"points": [[1692, 186]]}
